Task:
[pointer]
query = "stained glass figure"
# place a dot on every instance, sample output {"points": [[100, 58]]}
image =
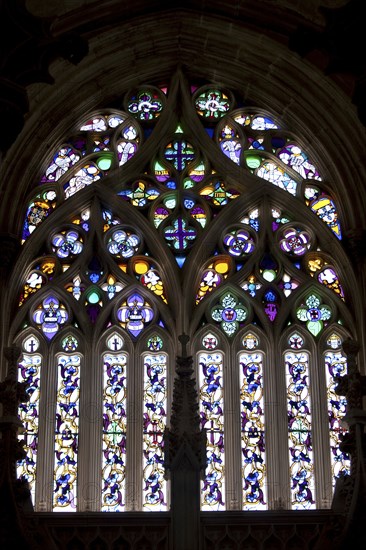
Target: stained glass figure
{"points": [[299, 430], [67, 243], [85, 176], [50, 315], [239, 243], [293, 155], [69, 343], [230, 144], [212, 419], [314, 313], [250, 341], [295, 241], [212, 104], [114, 431], [66, 433], [135, 313], [62, 161], [155, 343], [123, 244], [277, 176], [230, 313], [29, 372], [335, 367], [38, 210], [252, 430], [145, 105], [154, 423]]}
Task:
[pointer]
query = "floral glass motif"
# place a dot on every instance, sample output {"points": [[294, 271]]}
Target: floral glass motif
{"points": [[109, 220], [219, 193], [76, 288], [50, 315], [210, 342], [83, 219], [67, 243], [29, 372], [85, 176], [299, 430], [295, 241], [212, 277], [155, 343], [252, 430], [114, 431], [38, 210], [123, 244], [251, 286], [66, 433], [135, 313], [145, 105], [288, 284], [179, 235], [239, 243], [314, 314], [335, 367], [229, 313], [112, 286], [140, 194], [212, 419], [292, 155], [154, 423], [180, 153], [252, 219], [277, 176], [212, 104], [296, 341], [278, 219]]}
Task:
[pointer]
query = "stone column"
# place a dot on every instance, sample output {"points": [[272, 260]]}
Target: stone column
{"points": [[185, 456]]}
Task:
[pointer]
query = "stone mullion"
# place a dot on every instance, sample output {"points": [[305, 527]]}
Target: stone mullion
{"points": [[320, 433], [46, 442], [134, 433], [232, 433]]}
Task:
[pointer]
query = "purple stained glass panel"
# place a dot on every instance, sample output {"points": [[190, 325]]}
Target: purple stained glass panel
{"points": [[212, 419]]}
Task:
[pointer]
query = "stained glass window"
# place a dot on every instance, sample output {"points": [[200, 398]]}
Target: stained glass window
{"points": [[220, 223], [212, 419], [154, 415]]}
